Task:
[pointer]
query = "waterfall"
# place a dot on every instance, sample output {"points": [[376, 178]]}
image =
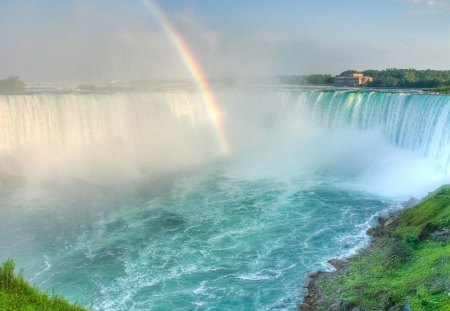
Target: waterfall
{"points": [[130, 132], [415, 122], [114, 134]]}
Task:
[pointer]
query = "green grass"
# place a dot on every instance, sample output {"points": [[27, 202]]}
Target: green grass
{"points": [[16, 294], [408, 263]]}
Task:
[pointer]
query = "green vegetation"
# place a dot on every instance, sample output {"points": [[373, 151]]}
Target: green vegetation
{"points": [[440, 90], [408, 78], [409, 262], [432, 80], [11, 84], [16, 294], [315, 79]]}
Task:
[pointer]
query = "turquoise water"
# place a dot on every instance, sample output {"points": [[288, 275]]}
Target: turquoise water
{"points": [[197, 241], [124, 201]]}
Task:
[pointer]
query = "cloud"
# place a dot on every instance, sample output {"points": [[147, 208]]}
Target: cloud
{"points": [[430, 6], [229, 52], [84, 43], [88, 42], [426, 2]]}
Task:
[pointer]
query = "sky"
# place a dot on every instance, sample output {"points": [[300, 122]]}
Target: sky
{"points": [[79, 41]]}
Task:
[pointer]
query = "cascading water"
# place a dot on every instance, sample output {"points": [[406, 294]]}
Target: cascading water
{"points": [[415, 122], [125, 134], [127, 202]]}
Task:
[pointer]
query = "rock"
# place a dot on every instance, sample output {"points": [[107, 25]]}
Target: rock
{"points": [[335, 307], [389, 222], [342, 305], [441, 235], [376, 231], [314, 274], [372, 231], [338, 263], [406, 306], [346, 305], [306, 307]]}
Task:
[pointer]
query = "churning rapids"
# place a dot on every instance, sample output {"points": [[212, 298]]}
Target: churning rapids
{"points": [[126, 201]]}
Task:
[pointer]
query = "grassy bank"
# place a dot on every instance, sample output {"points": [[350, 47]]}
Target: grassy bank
{"points": [[16, 294], [407, 266]]}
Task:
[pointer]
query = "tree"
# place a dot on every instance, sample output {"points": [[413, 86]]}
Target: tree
{"points": [[11, 84], [348, 73]]}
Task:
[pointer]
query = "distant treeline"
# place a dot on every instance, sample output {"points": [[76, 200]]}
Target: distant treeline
{"points": [[381, 78], [11, 84], [409, 78], [315, 79], [406, 78], [439, 90]]}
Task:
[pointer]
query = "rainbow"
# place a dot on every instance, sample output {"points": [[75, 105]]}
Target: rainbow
{"points": [[197, 73]]}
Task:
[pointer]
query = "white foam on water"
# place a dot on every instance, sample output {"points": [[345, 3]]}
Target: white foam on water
{"points": [[137, 183]]}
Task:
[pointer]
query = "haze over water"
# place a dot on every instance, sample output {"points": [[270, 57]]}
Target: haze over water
{"points": [[202, 196], [140, 210]]}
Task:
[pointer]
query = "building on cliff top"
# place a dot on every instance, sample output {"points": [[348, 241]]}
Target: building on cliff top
{"points": [[357, 79]]}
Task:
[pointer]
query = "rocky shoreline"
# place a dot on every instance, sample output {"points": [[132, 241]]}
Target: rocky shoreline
{"points": [[325, 290], [317, 297]]}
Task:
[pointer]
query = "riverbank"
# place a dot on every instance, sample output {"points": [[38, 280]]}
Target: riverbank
{"points": [[17, 294], [406, 266]]}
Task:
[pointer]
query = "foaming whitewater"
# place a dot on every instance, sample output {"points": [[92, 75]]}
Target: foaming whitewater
{"points": [[125, 201], [120, 135], [415, 122]]}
